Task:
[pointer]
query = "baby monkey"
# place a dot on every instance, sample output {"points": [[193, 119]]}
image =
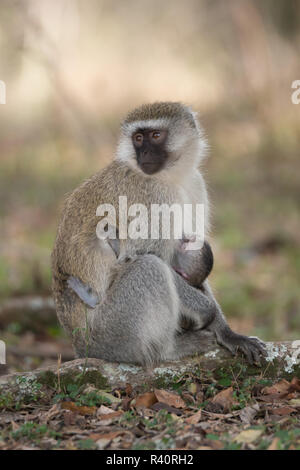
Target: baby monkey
{"points": [[192, 265]]}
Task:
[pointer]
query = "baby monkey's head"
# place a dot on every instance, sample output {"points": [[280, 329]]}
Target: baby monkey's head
{"points": [[193, 265]]}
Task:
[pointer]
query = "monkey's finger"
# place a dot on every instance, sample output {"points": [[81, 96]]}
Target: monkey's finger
{"points": [[256, 357], [258, 351], [253, 352], [261, 344], [260, 347], [231, 348], [247, 352]]}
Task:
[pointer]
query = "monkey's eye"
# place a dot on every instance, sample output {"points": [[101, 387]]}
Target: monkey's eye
{"points": [[155, 135], [138, 139], [158, 137]]}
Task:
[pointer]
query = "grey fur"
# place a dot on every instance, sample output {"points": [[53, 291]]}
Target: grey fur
{"points": [[197, 264], [150, 330], [142, 300]]}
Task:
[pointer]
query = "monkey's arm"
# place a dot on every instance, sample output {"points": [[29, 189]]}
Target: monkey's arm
{"points": [[84, 292], [194, 304], [252, 347], [201, 306]]}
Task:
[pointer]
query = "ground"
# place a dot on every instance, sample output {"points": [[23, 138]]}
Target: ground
{"points": [[224, 409]]}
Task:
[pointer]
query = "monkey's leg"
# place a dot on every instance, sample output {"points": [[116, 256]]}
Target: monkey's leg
{"points": [[84, 292], [193, 304], [137, 321], [252, 347], [191, 342]]}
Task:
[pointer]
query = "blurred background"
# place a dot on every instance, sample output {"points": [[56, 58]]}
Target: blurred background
{"points": [[73, 69]]}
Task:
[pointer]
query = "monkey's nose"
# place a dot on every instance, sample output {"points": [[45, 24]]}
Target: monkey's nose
{"points": [[145, 154]]}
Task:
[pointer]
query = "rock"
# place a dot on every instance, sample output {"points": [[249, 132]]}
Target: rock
{"points": [[283, 360]]}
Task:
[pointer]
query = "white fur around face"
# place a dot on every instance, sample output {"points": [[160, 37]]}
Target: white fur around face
{"points": [[131, 127], [187, 146]]}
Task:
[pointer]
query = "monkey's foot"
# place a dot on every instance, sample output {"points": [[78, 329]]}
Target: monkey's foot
{"points": [[252, 347]]}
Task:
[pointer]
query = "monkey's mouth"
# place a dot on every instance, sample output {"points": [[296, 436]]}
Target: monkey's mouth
{"points": [[150, 167], [181, 273]]}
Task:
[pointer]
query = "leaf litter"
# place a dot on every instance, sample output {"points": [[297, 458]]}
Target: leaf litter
{"points": [[193, 412]]}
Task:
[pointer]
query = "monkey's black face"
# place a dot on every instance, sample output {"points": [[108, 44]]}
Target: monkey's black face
{"points": [[150, 148]]}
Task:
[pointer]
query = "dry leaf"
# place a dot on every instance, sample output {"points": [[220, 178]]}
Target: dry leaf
{"points": [[248, 436], [282, 411], [274, 444], [295, 384], [195, 418], [110, 417], [295, 402], [163, 406], [126, 403], [279, 388], [214, 444], [193, 388], [70, 418], [274, 397], [146, 400], [54, 410], [169, 398], [247, 414], [99, 435], [89, 388], [224, 398], [128, 390], [109, 396], [103, 410], [187, 396], [14, 426], [102, 440], [218, 416], [82, 410]]}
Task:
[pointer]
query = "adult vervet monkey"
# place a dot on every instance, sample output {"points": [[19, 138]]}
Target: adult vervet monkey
{"points": [[142, 298]]}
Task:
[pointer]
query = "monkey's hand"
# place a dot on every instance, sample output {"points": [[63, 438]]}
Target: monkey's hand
{"points": [[253, 348]]}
